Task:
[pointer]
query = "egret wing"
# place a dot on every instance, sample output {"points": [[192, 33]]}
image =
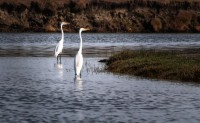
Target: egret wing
{"points": [[56, 50], [78, 63]]}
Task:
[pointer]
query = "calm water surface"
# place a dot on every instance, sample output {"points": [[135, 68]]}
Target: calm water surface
{"points": [[36, 90], [43, 44]]}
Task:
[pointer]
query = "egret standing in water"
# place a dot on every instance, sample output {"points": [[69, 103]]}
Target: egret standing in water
{"points": [[59, 46], [78, 61]]}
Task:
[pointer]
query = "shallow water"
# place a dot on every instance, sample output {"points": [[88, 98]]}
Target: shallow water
{"points": [[35, 89], [43, 44]]}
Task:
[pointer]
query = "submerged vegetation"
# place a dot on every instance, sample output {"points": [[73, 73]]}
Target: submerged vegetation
{"points": [[157, 64]]}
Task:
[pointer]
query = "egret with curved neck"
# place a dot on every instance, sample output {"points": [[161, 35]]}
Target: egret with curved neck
{"points": [[59, 46], [78, 61]]}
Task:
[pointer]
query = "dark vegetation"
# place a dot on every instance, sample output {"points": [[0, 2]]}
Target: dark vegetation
{"points": [[157, 64], [100, 15]]}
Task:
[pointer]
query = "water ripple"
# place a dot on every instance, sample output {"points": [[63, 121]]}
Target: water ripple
{"points": [[99, 45], [36, 89]]}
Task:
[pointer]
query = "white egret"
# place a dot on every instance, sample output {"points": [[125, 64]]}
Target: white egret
{"points": [[78, 61], [59, 46], [78, 83]]}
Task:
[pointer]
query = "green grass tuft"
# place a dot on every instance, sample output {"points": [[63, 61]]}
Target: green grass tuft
{"points": [[152, 64]]}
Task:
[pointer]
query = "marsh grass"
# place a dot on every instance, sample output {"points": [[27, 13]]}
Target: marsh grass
{"points": [[156, 64]]}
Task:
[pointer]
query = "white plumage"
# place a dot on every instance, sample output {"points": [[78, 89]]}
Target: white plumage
{"points": [[78, 63], [59, 46], [78, 60]]}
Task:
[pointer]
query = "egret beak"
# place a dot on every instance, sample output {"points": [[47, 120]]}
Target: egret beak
{"points": [[65, 23], [85, 29]]}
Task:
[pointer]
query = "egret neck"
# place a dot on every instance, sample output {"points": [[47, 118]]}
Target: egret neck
{"points": [[80, 48], [62, 39]]}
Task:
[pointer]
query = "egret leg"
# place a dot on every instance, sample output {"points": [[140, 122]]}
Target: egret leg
{"points": [[60, 58], [57, 59]]}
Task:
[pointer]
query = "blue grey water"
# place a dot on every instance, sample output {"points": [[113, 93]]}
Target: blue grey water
{"points": [[37, 90], [43, 44]]}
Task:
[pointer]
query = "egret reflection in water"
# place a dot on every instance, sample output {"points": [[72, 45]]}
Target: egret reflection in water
{"points": [[58, 66], [78, 82]]}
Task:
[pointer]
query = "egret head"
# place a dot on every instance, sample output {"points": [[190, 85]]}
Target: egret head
{"points": [[84, 29], [64, 23]]}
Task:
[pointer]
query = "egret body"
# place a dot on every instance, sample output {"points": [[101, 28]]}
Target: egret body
{"points": [[59, 46], [78, 61]]}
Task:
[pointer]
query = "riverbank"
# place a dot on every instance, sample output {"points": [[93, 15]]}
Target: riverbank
{"points": [[141, 16], [168, 65]]}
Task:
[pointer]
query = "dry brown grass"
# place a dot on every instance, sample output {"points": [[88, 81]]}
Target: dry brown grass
{"points": [[41, 2], [67, 1], [137, 15], [156, 24]]}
